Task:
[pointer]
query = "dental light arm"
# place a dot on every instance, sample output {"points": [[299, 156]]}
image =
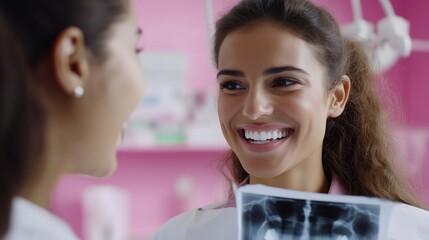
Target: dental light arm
{"points": [[393, 40], [390, 43], [360, 29], [394, 30], [388, 8]]}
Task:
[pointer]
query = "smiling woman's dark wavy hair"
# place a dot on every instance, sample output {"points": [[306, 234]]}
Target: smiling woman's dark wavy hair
{"points": [[29, 29], [357, 147]]}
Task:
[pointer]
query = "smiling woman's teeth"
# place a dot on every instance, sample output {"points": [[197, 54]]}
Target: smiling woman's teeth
{"points": [[264, 135]]}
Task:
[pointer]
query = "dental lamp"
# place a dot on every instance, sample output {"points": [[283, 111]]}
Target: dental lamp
{"points": [[392, 40]]}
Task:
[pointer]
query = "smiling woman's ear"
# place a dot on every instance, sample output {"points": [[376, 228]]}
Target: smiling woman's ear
{"points": [[70, 61], [338, 97]]}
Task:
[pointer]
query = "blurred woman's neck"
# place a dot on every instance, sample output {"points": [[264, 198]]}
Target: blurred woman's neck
{"points": [[38, 188], [40, 182], [54, 160], [46, 171]]}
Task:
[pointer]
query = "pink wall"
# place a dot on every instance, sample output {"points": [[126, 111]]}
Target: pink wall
{"points": [[415, 69], [415, 87], [149, 175]]}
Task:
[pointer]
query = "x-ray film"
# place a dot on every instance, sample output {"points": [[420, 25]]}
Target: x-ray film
{"points": [[267, 213]]}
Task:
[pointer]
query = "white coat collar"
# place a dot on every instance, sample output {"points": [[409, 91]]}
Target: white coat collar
{"points": [[29, 219]]}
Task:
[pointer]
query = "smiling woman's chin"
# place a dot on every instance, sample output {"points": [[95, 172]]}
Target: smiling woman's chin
{"points": [[261, 169]]}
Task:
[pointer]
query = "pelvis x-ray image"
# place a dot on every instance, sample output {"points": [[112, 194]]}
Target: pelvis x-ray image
{"points": [[275, 218]]}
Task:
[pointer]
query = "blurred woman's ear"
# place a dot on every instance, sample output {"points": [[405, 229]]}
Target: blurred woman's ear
{"points": [[338, 97], [70, 61]]}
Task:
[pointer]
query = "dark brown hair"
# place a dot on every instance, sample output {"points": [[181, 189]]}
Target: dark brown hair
{"points": [[38, 23], [357, 147], [15, 107], [28, 31]]}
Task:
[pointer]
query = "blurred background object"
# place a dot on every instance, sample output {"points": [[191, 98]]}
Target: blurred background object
{"points": [[106, 213], [161, 117]]}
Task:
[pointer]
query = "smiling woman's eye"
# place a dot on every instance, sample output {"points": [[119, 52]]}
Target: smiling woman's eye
{"points": [[230, 85], [283, 82]]}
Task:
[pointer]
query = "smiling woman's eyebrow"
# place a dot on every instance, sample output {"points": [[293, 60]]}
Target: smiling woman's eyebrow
{"points": [[275, 70], [229, 72]]}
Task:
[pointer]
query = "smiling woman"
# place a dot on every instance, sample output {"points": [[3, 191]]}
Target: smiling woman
{"points": [[282, 92], [85, 81], [298, 107], [321, 96]]}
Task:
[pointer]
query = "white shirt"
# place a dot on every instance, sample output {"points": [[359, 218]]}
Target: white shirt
{"points": [[32, 222]]}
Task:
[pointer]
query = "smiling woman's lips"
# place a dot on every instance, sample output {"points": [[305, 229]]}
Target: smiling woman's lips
{"points": [[263, 141]]}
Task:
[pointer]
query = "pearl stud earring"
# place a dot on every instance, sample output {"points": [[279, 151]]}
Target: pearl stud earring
{"points": [[78, 92]]}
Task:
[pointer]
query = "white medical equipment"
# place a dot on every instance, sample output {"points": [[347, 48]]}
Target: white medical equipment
{"points": [[392, 40]]}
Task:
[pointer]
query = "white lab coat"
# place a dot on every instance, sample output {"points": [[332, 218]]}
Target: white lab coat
{"points": [[214, 222], [208, 223], [31, 222], [217, 222]]}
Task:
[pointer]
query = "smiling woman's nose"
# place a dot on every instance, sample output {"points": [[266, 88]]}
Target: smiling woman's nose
{"points": [[257, 104]]}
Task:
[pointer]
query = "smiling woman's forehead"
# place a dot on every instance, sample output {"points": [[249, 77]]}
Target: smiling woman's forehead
{"points": [[264, 46]]}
